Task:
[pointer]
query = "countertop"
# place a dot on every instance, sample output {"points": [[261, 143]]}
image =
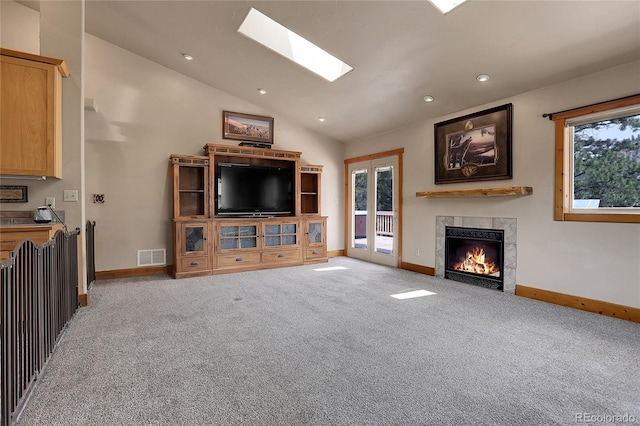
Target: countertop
{"points": [[25, 226]]}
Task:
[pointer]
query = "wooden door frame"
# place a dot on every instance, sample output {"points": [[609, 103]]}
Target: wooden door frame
{"points": [[394, 152]]}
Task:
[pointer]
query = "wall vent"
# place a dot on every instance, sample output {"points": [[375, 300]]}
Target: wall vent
{"points": [[152, 257]]}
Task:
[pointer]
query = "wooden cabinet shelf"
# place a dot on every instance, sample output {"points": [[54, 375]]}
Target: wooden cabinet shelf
{"points": [[507, 191]]}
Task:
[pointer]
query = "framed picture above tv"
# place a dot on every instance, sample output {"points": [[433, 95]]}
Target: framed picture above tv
{"points": [[247, 127], [474, 147]]}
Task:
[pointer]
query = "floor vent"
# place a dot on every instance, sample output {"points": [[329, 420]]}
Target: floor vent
{"points": [[152, 257]]}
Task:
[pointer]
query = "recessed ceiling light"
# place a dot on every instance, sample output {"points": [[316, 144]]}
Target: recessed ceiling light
{"points": [[483, 77], [262, 91], [187, 57], [322, 119], [428, 98], [259, 27], [446, 5]]}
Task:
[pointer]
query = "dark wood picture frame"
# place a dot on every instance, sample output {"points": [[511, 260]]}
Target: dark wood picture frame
{"points": [[475, 146], [13, 194], [247, 127]]}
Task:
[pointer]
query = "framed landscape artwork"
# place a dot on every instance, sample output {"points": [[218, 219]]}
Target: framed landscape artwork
{"points": [[247, 127], [474, 147], [13, 194]]}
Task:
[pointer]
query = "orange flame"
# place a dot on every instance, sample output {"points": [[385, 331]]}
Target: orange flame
{"points": [[475, 262]]}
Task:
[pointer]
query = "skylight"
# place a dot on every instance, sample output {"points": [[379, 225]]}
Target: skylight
{"points": [[446, 5], [280, 39]]}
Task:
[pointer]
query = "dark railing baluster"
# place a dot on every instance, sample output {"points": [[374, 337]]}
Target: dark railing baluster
{"points": [[38, 297], [91, 254]]}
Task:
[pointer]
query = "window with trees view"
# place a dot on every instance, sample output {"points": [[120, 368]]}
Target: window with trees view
{"points": [[598, 162]]}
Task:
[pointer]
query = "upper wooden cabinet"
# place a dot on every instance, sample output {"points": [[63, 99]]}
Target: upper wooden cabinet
{"points": [[310, 189], [190, 186], [31, 114]]}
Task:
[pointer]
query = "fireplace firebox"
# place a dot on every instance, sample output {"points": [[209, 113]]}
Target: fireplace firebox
{"points": [[475, 256]]}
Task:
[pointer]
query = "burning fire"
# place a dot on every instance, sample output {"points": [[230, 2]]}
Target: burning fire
{"points": [[475, 262]]}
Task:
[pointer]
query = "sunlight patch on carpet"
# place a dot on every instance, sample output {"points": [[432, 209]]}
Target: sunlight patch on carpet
{"points": [[412, 294], [330, 268]]}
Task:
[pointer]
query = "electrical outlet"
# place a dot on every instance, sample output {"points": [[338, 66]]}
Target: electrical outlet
{"points": [[50, 201], [417, 252], [70, 195]]}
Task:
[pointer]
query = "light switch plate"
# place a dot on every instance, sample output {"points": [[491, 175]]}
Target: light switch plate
{"points": [[70, 195]]}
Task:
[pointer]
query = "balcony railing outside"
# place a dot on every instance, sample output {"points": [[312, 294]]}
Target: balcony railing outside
{"points": [[384, 223], [38, 297]]}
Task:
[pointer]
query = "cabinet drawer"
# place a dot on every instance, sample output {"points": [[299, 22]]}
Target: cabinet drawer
{"points": [[193, 263], [9, 240], [315, 253], [238, 259], [282, 256]]}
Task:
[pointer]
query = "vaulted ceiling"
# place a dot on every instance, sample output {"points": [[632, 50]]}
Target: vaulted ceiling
{"points": [[400, 52]]}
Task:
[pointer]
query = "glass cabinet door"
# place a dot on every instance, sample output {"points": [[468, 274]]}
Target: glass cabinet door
{"points": [[195, 238], [280, 234], [315, 232], [237, 236]]}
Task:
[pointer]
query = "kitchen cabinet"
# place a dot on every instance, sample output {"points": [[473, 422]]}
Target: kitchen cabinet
{"points": [[11, 236], [31, 114]]}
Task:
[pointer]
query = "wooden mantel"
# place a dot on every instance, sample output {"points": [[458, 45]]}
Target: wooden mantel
{"points": [[504, 191]]}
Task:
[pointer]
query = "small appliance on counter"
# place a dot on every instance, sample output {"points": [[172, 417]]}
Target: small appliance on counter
{"points": [[42, 215]]}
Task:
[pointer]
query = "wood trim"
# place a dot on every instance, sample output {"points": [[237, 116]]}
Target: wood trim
{"points": [[602, 217], [59, 63], [592, 109], [427, 270], [245, 151], [83, 299], [398, 232], [347, 208], [584, 304], [335, 253], [559, 194], [132, 272], [477, 192], [370, 157]]}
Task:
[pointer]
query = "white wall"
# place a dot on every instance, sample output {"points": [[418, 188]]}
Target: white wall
{"points": [[594, 260], [19, 27], [147, 112]]}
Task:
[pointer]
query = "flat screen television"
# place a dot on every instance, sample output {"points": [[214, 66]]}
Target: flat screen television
{"points": [[249, 190]]}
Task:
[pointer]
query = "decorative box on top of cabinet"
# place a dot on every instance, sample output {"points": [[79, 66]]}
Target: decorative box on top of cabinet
{"points": [[31, 114]]}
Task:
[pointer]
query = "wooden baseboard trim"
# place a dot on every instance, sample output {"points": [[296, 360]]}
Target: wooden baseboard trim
{"points": [[584, 304], [83, 299], [132, 272], [427, 270], [335, 253]]}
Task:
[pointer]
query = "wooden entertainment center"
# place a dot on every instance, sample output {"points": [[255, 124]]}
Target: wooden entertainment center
{"points": [[206, 243]]}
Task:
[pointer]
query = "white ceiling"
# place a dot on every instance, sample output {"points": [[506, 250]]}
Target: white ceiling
{"points": [[400, 51]]}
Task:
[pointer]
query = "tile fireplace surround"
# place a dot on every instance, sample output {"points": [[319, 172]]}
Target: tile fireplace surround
{"points": [[509, 226]]}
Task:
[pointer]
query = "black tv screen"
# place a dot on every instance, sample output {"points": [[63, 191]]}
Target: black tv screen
{"points": [[247, 190]]}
